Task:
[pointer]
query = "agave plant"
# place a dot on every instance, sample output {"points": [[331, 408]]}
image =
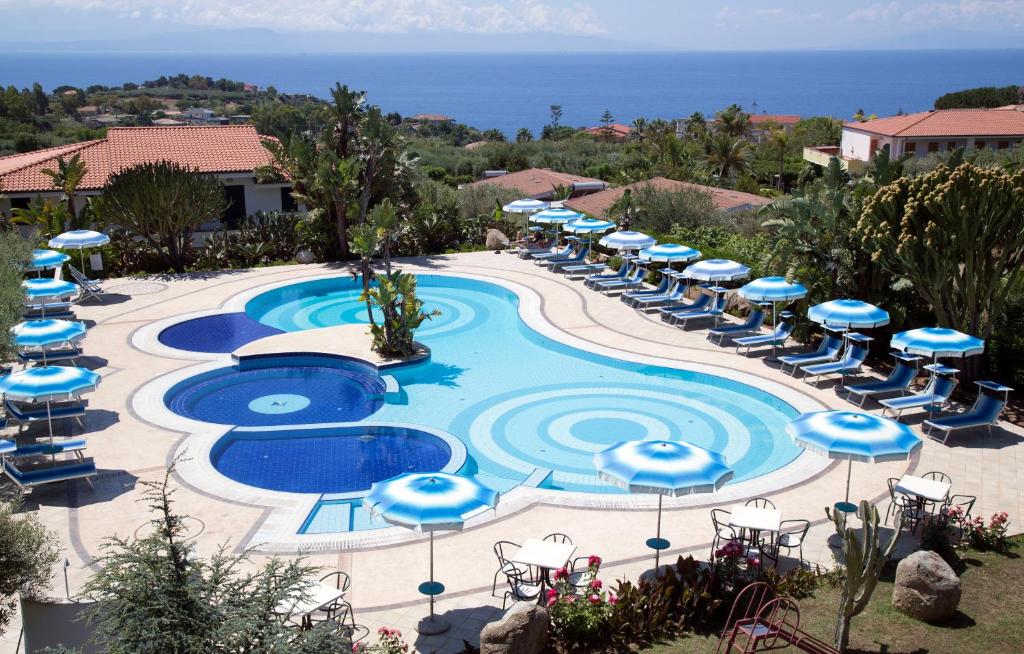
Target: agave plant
{"points": [[394, 295]]}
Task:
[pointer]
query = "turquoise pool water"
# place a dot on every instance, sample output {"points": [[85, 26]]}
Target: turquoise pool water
{"points": [[522, 402]]}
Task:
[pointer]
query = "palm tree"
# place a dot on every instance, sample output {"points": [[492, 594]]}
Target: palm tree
{"points": [[696, 126], [728, 154], [734, 121], [639, 129], [524, 135], [66, 178], [780, 139]]}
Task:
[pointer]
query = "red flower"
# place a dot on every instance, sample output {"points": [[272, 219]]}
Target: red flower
{"points": [[561, 573], [594, 599], [552, 594], [552, 601], [357, 647], [383, 631], [594, 561], [571, 599], [613, 599], [595, 584]]}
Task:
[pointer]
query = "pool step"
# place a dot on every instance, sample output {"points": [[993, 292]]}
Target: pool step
{"points": [[392, 390]]}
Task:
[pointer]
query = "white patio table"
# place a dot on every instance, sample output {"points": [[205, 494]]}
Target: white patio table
{"points": [[929, 489], [544, 554], [755, 520], [300, 605]]}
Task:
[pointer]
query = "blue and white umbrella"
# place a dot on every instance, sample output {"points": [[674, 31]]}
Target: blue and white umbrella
{"points": [[41, 333], [525, 206], [43, 288], [48, 384], [773, 289], [47, 259], [79, 239], [716, 270], [626, 240], [851, 314], [938, 342], [853, 436], [429, 501], [588, 226], [555, 216], [664, 468], [670, 253]]}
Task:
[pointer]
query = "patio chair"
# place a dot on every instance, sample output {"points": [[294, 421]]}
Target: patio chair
{"points": [[621, 273], [558, 538], [903, 504], [753, 323], [935, 394], [984, 413], [760, 503], [23, 415], [521, 588], [723, 531], [777, 338], [635, 279], [553, 254], [963, 502], [28, 357], [59, 446], [660, 291], [504, 565], [700, 303], [339, 610], [582, 270], [675, 295], [554, 264], [935, 475], [898, 381], [850, 364], [36, 310], [682, 318], [90, 287], [828, 350], [44, 470], [791, 536]]}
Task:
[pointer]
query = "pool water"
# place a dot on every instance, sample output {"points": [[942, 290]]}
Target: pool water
{"points": [[521, 401]]}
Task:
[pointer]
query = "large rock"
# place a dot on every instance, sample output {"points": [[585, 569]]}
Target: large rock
{"points": [[926, 587], [522, 630], [495, 240]]}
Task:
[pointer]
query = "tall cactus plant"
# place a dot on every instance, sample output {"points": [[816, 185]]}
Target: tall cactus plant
{"points": [[865, 558]]}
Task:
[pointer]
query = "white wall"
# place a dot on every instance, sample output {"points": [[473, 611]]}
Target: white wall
{"points": [[856, 145], [259, 197]]}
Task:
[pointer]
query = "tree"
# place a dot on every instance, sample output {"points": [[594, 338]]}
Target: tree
{"points": [[524, 135], [556, 116], [28, 552], [984, 97], [733, 121], [48, 216], [402, 313], [639, 130], [780, 140], [66, 178], [157, 596], [728, 154], [696, 127], [162, 203], [957, 234], [607, 119]]}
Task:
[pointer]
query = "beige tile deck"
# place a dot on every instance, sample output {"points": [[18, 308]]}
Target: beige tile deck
{"points": [[128, 450]]}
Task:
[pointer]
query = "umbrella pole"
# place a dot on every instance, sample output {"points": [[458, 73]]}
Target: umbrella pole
{"points": [[775, 328], [81, 252], [657, 553], [49, 424], [849, 471]]}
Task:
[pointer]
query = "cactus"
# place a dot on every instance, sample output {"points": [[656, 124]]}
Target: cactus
{"points": [[864, 559]]}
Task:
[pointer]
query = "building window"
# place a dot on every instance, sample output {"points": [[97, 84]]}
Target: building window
{"points": [[979, 145], [910, 148], [235, 212], [20, 203], [933, 147], [1003, 145], [287, 201], [950, 146]]}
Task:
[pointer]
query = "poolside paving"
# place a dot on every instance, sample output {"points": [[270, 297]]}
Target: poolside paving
{"points": [[384, 578]]}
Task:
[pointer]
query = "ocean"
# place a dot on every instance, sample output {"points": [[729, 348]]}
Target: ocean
{"points": [[510, 91]]}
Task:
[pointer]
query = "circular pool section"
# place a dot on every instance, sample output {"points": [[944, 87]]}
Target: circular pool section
{"points": [[329, 460], [275, 391]]}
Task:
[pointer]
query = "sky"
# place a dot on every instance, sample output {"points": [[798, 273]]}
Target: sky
{"points": [[645, 24]]}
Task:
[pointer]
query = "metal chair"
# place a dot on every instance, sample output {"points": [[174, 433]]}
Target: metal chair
{"points": [[929, 505], [579, 572], [504, 565], [723, 532], [339, 610], [792, 534], [905, 505], [521, 589], [558, 538], [760, 503], [965, 503]]}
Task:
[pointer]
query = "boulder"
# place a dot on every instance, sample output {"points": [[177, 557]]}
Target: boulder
{"points": [[495, 240], [926, 587], [522, 630]]}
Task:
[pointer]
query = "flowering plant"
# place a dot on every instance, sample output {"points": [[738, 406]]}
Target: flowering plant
{"points": [[991, 536], [579, 615], [389, 641], [726, 561]]}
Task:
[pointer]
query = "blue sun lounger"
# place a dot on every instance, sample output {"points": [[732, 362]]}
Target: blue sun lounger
{"points": [[23, 415], [635, 279], [52, 310], [46, 471], [36, 356], [934, 395], [753, 323], [778, 337], [564, 252], [60, 446], [582, 269], [850, 364], [992, 398], [828, 350], [555, 264], [681, 318], [624, 268], [700, 303], [662, 290], [675, 296], [898, 381]]}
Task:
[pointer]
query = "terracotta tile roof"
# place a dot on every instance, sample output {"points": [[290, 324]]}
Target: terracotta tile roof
{"points": [[433, 118], [618, 130], [534, 182], [598, 204], [209, 149], [781, 119], [947, 122]]}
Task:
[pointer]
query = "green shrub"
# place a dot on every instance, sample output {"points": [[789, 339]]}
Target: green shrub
{"points": [[15, 253]]}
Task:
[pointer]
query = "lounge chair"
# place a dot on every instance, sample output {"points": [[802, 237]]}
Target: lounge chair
{"points": [[935, 394], [621, 273], [582, 269], [663, 290], [36, 356], [7, 446], [23, 415], [634, 279], [753, 323], [35, 310], [526, 252], [44, 470], [555, 264], [60, 446], [850, 364], [700, 303], [564, 253], [777, 338], [682, 318], [90, 287], [828, 350], [676, 295], [984, 413], [898, 381]]}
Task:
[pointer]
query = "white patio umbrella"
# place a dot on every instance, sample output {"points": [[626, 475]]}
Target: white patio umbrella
{"points": [[79, 239], [525, 206]]}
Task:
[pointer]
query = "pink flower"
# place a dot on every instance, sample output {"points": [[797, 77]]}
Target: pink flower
{"points": [[594, 561], [571, 599], [754, 562], [396, 633], [552, 601], [383, 631], [552, 594], [561, 573], [594, 599], [595, 584], [357, 647], [613, 599]]}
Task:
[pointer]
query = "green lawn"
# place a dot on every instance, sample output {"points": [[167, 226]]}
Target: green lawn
{"points": [[991, 617]]}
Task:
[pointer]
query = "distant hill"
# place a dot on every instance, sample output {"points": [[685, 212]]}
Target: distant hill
{"points": [[263, 41]]}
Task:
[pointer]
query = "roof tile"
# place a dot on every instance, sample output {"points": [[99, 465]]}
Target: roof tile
{"points": [[598, 204], [945, 123]]}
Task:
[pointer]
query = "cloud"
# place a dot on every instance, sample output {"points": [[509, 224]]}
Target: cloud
{"points": [[731, 18], [396, 16], [998, 12]]}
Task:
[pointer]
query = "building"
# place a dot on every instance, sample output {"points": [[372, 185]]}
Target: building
{"points": [[231, 153], [540, 183], [199, 114], [598, 205], [923, 133], [761, 125], [107, 120], [612, 132], [168, 122], [434, 119]]}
